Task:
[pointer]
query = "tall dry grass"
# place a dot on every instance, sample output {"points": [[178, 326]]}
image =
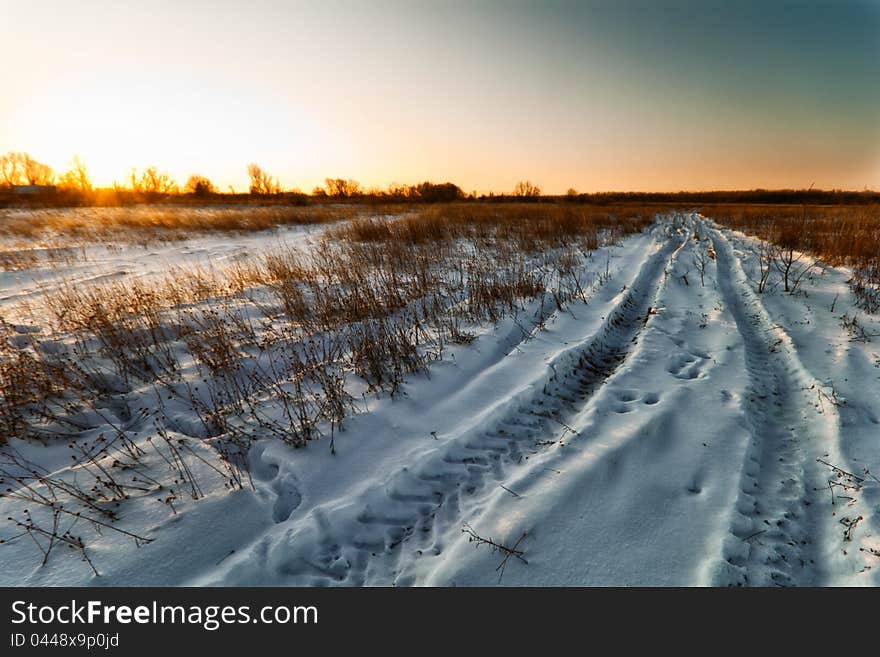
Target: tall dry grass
{"points": [[527, 226], [150, 223], [840, 235], [378, 298]]}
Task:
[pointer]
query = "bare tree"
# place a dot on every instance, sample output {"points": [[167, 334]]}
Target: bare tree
{"points": [[10, 171], [342, 188], [22, 169], [199, 185], [37, 173], [526, 188], [793, 266], [434, 192], [787, 262], [154, 182], [77, 176], [398, 190], [262, 182]]}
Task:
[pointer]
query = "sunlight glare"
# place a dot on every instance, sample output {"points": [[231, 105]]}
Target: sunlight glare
{"points": [[114, 125]]}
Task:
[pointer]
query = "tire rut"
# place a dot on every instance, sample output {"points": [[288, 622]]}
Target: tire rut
{"points": [[775, 526]]}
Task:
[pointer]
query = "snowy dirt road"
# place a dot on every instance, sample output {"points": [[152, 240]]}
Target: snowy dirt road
{"points": [[675, 428]]}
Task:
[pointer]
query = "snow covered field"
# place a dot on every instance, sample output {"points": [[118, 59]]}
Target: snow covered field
{"points": [[661, 431], [89, 261]]}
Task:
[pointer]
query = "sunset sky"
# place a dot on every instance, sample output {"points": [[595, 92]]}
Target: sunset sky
{"points": [[595, 95]]}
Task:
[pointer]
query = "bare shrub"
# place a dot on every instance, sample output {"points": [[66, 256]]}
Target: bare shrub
{"points": [[839, 235]]}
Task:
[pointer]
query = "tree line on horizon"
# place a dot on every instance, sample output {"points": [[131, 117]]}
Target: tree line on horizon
{"points": [[75, 186], [21, 170]]}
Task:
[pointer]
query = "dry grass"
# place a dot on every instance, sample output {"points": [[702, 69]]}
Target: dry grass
{"points": [[838, 235], [528, 226], [378, 299], [154, 222]]}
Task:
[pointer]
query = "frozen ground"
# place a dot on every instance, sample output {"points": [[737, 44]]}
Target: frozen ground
{"points": [[665, 432]]}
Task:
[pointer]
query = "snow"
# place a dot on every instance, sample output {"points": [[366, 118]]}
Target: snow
{"points": [[97, 262], [664, 432]]}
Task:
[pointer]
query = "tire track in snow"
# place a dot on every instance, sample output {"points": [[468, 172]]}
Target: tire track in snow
{"points": [[647, 480], [367, 540], [776, 529]]}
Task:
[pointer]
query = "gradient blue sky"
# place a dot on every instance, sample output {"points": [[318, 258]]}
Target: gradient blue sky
{"points": [[596, 95]]}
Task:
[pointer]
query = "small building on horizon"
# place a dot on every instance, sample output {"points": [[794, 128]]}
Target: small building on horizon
{"points": [[33, 190]]}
